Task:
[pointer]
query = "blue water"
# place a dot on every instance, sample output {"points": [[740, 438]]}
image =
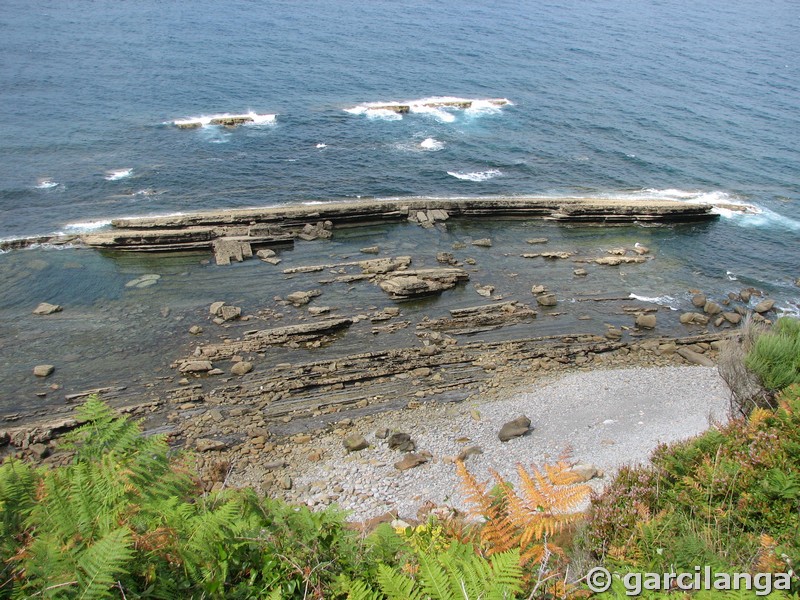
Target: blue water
{"points": [[671, 98]]}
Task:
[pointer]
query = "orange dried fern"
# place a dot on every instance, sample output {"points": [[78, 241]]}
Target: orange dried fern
{"points": [[546, 503]]}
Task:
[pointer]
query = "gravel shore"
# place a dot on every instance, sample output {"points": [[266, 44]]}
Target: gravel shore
{"points": [[608, 418]]}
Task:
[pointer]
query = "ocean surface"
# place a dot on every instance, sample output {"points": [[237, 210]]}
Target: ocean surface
{"points": [[608, 98]]}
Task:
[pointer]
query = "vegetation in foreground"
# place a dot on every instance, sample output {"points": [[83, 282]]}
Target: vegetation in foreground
{"points": [[126, 519]]}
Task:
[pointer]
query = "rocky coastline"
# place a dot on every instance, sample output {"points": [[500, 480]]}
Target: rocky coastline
{"points": [[257, 387]]}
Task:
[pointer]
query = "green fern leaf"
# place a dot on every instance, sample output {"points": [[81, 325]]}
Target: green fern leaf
{"points": [[396, 586], [100, 565]]}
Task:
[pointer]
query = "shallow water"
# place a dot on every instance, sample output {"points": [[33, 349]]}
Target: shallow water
{"points": [[110, 334]]}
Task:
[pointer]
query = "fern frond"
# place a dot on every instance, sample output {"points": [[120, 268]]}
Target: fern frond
{"points": [[397, 586], [101, 564]]}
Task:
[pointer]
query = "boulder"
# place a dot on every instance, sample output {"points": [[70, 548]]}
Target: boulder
{"points": [[712, 308], [483, 243], [699, 300], [302, 298], [695, 357], [229, 313], [355, 442], [613, 333], [371, 250], [516, 428], [484, 290], [555, 255], [446, 258], [584, 472], [402, 442], [45, 308], [469, 451], [732, 317], [764, 306], [538, 289], [265, 253], [546, 300], [646, 321], [693, 318], [43, 370], [195, 330], [580, 272], [639, 249], [410, 460], [536, 241], [423, 282], [196, 366], [240, 368], [380, 266], [216, 308]]}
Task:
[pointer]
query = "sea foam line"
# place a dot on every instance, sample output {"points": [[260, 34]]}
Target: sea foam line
{"points": [[475, 175]]}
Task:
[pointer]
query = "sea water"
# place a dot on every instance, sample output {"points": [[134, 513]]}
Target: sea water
{"points": [[676, 99]]}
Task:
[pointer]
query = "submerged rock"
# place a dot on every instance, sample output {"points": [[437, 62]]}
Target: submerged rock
{"points": [[45, 308], [43, 370]]}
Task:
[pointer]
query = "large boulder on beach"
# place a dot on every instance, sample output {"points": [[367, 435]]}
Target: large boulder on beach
{"points": [[241, 368], [515, 428]]}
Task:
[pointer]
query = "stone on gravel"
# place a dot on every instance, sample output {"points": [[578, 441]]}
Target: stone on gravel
{"points": [[516, 428], [355, 442], [402, 442], [410, 460]]}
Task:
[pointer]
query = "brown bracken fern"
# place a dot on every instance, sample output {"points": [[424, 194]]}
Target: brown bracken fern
{"points": [[546, 503]]}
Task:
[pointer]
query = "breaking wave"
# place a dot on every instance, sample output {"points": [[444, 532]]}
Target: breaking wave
{"points": [[117, 174], [475, 175]]}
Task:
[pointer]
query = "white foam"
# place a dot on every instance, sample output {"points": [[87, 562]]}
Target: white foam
{"points": [[118, 174], [431, 144], [46, 184], [205, 120], [85, 226], [476, 175], [438, 113], [439, 107], [321, 145], [665, 300]]}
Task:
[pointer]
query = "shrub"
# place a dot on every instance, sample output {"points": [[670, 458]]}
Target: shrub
{"points": [[775, 356], [125, 519], [709, 500]]}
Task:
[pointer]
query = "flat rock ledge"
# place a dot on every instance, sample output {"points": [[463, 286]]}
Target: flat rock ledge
{"points": [[235, 231]]}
